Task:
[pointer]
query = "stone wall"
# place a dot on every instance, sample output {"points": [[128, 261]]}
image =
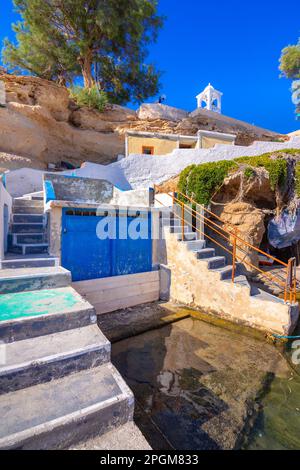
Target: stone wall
{"points": [[186, 280]]}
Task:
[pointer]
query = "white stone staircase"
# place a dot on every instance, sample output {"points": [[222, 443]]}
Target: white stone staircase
{"points": [[195, 276], [57, 384], [28, 240]]}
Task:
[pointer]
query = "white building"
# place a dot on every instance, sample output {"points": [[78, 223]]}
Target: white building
{"points": [[210, 99]]}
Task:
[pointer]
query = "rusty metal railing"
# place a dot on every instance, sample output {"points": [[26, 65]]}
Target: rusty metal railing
{"points": [[235, 244]]}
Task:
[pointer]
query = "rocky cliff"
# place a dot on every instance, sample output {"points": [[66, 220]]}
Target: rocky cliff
{"points": [[41, 125]]}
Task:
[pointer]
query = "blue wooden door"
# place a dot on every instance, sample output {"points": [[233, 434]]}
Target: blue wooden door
{"points": [[89, 257], [133, 255], [83, 253]]}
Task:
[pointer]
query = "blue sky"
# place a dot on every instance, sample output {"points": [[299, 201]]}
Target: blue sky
{"points": [[233, 44]]}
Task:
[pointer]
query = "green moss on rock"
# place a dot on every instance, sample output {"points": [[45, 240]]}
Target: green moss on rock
{"points": [[201, 182]]}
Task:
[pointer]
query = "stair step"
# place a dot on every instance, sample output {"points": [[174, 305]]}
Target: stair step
{"points": [[240, 280], [29, 262], [226, 272], [205, 253], [178, 229], [37, 196], [36, 313], [27, 210], [187, 236], [216, 262], [28, 238], [27, 228], [28, 218], [38, 360], [27, 202], [170, 222], [196, 245], [64, 411], [29, 279], [27, 249]]}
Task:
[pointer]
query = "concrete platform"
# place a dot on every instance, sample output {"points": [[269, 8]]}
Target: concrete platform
{"points": [[17, 261], [30, 314], [29, 279], [65, 411], [37, 360], [126, 437]]}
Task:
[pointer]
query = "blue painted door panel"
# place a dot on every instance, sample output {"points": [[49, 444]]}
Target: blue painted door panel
{"points": [[83, 253], [88, 257]]}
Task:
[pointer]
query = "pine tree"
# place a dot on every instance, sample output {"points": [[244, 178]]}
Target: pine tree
{"points": [[103, 41]]}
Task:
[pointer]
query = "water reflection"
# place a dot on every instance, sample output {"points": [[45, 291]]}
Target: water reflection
{"points": [[198, 386]]}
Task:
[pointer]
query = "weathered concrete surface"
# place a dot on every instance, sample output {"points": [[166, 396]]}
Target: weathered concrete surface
{"points": [[127, 437], [196, 385], [67, 188], [30, 314], [64, 411], [45, 358], [133, 321], [188, 280], [29, 279]]}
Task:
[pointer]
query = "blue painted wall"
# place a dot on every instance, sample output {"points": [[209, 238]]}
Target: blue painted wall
{"points": [[88, 257]]}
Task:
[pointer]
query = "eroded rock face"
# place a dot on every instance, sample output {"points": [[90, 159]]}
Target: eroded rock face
{"points": [[42, 124], [248, 220], [39, 123]]}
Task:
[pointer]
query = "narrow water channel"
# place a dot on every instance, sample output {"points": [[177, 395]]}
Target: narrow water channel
{"points": [[200, 386]]}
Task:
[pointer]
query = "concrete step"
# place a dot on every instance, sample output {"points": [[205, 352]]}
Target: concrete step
{"points": [[27, 228], [216, 262], [178, 229], [196, 245], [65, 411], [27, 249], [30, 314], [28, 218], [187, 236], [241, 281], [205, 253], [29, 279], [18, 202], [28, 209], [33, 261], [28, 238], [37, 196], [226, 271], [170, 222], [39, 360]]}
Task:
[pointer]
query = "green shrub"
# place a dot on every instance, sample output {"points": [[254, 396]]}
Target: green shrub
{"points": [[90, 97], [201, 182], [249, 172], [277, 168]]}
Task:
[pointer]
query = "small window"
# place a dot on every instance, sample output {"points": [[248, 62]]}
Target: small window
{"points": [[185, 146], [148, 150]]}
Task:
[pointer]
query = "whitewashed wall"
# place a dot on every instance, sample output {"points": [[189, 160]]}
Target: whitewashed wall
{"points": [[5, 198], [140, 171]]}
